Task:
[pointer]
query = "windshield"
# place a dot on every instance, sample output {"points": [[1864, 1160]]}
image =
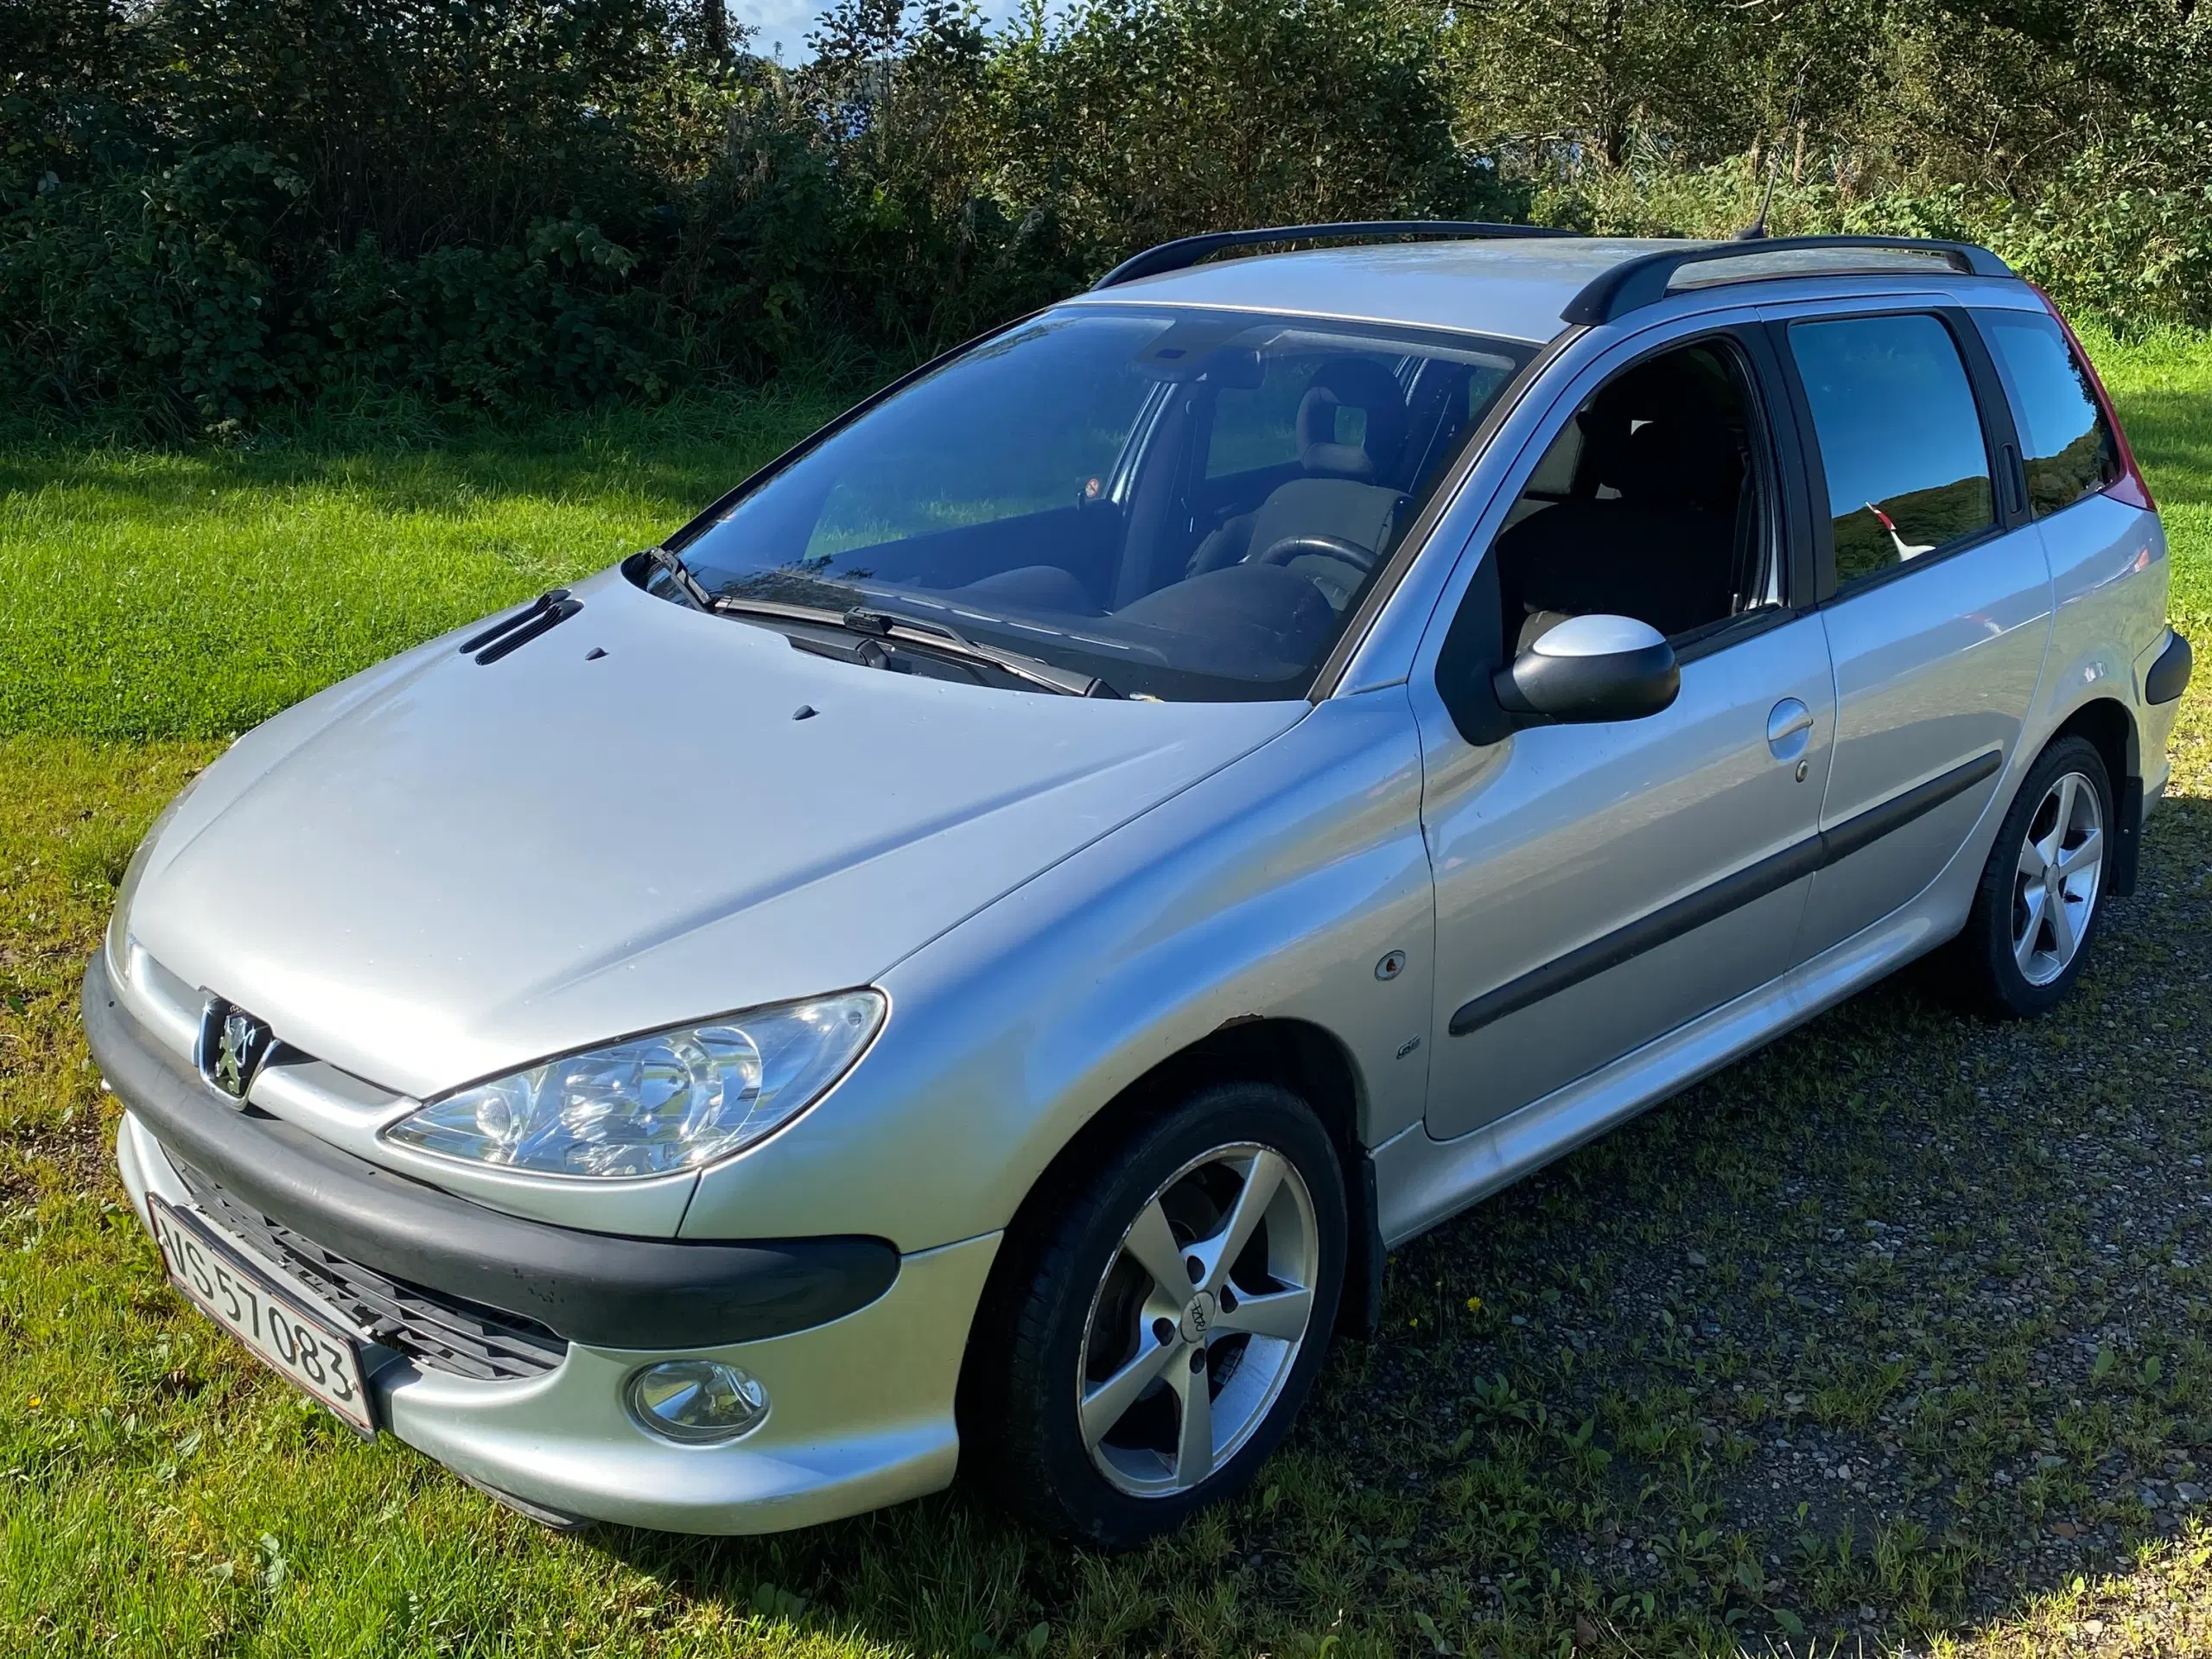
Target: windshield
{"points": [[1187, 505]]}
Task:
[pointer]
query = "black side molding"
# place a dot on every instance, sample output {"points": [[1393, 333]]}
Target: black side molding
{"points": [[2169, 676], [1732, 892], [1864, 828], [599, 1289]]}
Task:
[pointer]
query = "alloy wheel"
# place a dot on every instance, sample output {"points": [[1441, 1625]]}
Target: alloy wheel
{"points": [[1198, 1320], [2055, 891]]}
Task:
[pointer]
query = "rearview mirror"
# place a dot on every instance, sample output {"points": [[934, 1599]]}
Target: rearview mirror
{"points": [[1590, 668]]}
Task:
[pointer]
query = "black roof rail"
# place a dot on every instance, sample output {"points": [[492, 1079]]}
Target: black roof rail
{"points": [[1188, 250], [1635, 283]]}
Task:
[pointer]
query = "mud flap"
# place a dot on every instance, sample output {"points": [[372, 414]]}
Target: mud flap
{"points": [[2126, 838], [1359, 1310]]}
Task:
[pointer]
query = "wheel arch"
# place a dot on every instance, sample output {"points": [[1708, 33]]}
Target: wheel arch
{"points": [[2110, 727], [2107, 722], [1298, 1055], [1306, 1059]]}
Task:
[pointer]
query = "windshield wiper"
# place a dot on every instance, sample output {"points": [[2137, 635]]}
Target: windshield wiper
{"points": [[932, 637], [948, 641], [680, 573]]}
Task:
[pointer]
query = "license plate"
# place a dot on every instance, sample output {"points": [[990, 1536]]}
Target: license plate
{"points": [[251, 1300]]}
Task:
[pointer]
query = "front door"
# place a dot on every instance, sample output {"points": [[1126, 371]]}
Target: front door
{"points": [[1598, 885]]}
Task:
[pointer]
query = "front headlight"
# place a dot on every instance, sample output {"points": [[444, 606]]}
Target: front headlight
{"points": [[673, 1100]]}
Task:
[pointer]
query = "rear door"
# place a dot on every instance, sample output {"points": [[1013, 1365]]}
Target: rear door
{"points": [[1936, 595]]}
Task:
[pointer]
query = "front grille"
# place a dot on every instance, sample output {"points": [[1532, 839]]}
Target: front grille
{"points": [[447, 1333]]}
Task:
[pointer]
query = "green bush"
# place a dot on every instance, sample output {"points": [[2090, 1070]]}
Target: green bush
{"points": [[132, 287], [2122, 235], [562, 202], [212, 211]]}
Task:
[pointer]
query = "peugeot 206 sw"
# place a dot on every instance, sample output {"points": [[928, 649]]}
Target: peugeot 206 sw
{"points": [[970, 952]]}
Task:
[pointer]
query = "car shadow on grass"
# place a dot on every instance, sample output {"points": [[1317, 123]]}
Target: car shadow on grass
{"points": [[1888, 1329]]}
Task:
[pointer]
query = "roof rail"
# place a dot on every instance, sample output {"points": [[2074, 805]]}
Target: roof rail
{"points": [[1188, 250], [1635, 283]]}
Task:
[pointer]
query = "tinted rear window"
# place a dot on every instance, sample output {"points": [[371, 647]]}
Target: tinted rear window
{"points": [[2066, 445], [1900, 438]]}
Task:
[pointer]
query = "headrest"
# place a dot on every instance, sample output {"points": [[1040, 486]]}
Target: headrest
{"points": [[1355, 383], [1682, 462], [1659, 439]]}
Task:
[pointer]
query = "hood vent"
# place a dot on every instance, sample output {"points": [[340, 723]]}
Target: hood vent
{"points": [[546, 612]]}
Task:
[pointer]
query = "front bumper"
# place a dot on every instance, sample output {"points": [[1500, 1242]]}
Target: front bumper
{"points": [[860, 1411]]}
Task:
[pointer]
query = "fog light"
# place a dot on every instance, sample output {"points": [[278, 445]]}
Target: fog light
{"points": [[697, 1402]]}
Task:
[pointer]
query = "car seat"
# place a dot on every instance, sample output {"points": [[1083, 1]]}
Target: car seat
{"points": [[1652, 528], [1347, 491]]}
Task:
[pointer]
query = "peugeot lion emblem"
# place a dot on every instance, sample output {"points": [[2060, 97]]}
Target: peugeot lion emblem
{"points": [[233, 1046]]}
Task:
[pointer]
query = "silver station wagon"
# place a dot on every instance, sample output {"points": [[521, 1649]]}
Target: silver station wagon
{"points": [[970, 953]]}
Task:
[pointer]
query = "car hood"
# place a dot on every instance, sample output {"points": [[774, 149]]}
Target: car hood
{"points": [[438, 871]]}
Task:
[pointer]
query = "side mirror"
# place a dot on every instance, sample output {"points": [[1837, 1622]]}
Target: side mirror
{"points": [[1588, 669]]}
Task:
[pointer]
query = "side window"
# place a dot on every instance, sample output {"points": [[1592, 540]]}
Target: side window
{"points": [[1900, 438], [1654, 501], [2067, 447]]}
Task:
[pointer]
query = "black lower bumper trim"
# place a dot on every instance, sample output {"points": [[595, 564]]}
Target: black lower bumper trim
{"points": [[600, 1288]]}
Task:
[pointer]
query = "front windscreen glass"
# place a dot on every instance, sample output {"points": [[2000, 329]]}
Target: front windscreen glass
{"points": [[1184, 505]]}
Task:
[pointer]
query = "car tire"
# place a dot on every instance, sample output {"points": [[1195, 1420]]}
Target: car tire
{"points": [[2032, 924], [1106, 1403]]}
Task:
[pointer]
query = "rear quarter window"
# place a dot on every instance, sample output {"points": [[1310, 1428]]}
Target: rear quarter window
{"points": [[2067, 447], [1900, 436]]}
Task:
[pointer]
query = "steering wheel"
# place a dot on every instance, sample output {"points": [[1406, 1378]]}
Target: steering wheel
{"points": [[1287, 547]]}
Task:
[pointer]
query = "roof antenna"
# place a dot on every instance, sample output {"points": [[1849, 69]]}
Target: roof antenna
{"points": [[1756, 231]]}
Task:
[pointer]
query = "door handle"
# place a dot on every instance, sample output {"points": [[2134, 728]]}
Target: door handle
{"points": [[1789, 729]]}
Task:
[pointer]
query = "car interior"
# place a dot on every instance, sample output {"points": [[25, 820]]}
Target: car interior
{"points": [[1651, 504], [1196, 545], [1255, 495]]}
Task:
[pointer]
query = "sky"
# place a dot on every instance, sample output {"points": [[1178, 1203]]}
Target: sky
{"points": [[790, 21], [785, 22]]}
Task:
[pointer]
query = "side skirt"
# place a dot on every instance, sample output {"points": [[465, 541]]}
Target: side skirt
{"points": [[1421, 1181]]}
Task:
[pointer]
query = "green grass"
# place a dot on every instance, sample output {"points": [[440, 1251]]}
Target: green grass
{"points": [[166, 593], [1570, 1433]]}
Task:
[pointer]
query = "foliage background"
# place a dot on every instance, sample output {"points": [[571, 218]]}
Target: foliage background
{"points": [[215, 211]]}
